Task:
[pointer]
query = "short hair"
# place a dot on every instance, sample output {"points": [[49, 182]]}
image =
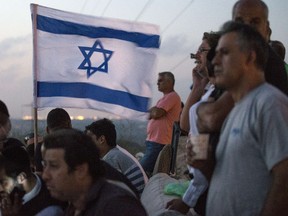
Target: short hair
{"points": [[278, 47], [4, 114], [262, 4], [104, 127], [169, 75], [78, 149], [210, 55], [16, 161], [58, 118], [249, 40], [212, 38]]}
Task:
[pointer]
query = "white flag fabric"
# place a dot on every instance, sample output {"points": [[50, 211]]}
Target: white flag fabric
{"points": [[82, 61]]}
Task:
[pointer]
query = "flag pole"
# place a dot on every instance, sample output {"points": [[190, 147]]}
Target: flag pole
{"points": [[35, 116]]}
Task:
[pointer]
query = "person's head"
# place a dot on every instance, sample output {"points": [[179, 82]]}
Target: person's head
{"points": [[5, 123], [166, 82], [57, 119], [209, 40], [15, 168], [254, 13], [71, 163], [103, 134], [241, 56], [278, 47]]}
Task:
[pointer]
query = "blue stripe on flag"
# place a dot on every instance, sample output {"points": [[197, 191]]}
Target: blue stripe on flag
{"points": [[56, 26], [89, 91]]}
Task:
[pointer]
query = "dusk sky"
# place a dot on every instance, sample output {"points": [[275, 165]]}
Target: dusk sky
{"points": [[181, 22]]}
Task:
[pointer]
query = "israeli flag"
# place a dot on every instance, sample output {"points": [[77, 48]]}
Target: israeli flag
{"points": [[90, 62]]}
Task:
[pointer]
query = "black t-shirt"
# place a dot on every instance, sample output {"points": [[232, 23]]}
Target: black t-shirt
{"points": [[275, 72]]}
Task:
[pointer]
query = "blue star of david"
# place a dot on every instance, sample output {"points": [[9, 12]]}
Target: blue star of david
{"points": [[87, 52]]}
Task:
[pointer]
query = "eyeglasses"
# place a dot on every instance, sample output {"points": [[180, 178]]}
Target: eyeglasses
{"points": [[200, 50]]}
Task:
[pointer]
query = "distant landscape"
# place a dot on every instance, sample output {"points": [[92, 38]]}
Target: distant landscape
{"points": [[131, 134]]}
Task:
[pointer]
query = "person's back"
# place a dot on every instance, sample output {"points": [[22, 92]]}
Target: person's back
{"points": [[112, 174], [106, 193], [127, 166]]}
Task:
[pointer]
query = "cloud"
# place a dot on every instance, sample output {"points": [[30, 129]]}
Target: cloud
{"points": [[16, 73], [175, 45]]}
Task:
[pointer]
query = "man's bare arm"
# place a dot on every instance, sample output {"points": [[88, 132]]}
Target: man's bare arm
{"points": [[211, 115], [276, 201], [156, 113]]}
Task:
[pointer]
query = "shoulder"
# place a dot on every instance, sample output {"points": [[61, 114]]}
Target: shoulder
{"points": [[268, 99], [51, 210]]}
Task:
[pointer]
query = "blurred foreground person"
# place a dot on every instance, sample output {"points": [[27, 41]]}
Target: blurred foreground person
{"points": [[250, 176], [24, 192], [73, 172]]}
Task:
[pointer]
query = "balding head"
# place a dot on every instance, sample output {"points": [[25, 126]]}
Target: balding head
{"points": [[254, 13]]}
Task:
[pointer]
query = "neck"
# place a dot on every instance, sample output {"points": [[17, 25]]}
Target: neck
{"points": [[79, 202], [241, 91], [106, 150], [167, 92]]}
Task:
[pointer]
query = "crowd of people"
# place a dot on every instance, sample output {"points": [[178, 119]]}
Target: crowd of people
{"points": [[238, 98]]}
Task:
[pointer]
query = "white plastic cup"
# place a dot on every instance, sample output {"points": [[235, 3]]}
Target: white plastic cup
{"points": [[200, 145]]}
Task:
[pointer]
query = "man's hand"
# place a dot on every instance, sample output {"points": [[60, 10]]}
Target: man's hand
{"points": [[200, 78], [178, 205], [7, 207], [205, 166]]}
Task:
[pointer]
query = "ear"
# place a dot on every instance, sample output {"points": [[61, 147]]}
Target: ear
{"points": [[21, 177], [81, 171], [251, 59], [102, 139]]}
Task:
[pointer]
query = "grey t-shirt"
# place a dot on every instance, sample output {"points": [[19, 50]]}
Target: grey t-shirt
{"points": [[254, 139]]}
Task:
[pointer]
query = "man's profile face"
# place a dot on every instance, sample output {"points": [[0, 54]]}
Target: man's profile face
{"points": [[253, 14], [163, 83], [60, 182], [229, 62], [201, 58]]}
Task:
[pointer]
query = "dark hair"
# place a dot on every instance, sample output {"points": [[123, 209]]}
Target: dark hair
{"points": [[79, 149], [58, 118], [104, 127], [249, 40], [16, 160], [4, 114], [210, 55], [169, 75], [212, 38], [262, 4]]}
